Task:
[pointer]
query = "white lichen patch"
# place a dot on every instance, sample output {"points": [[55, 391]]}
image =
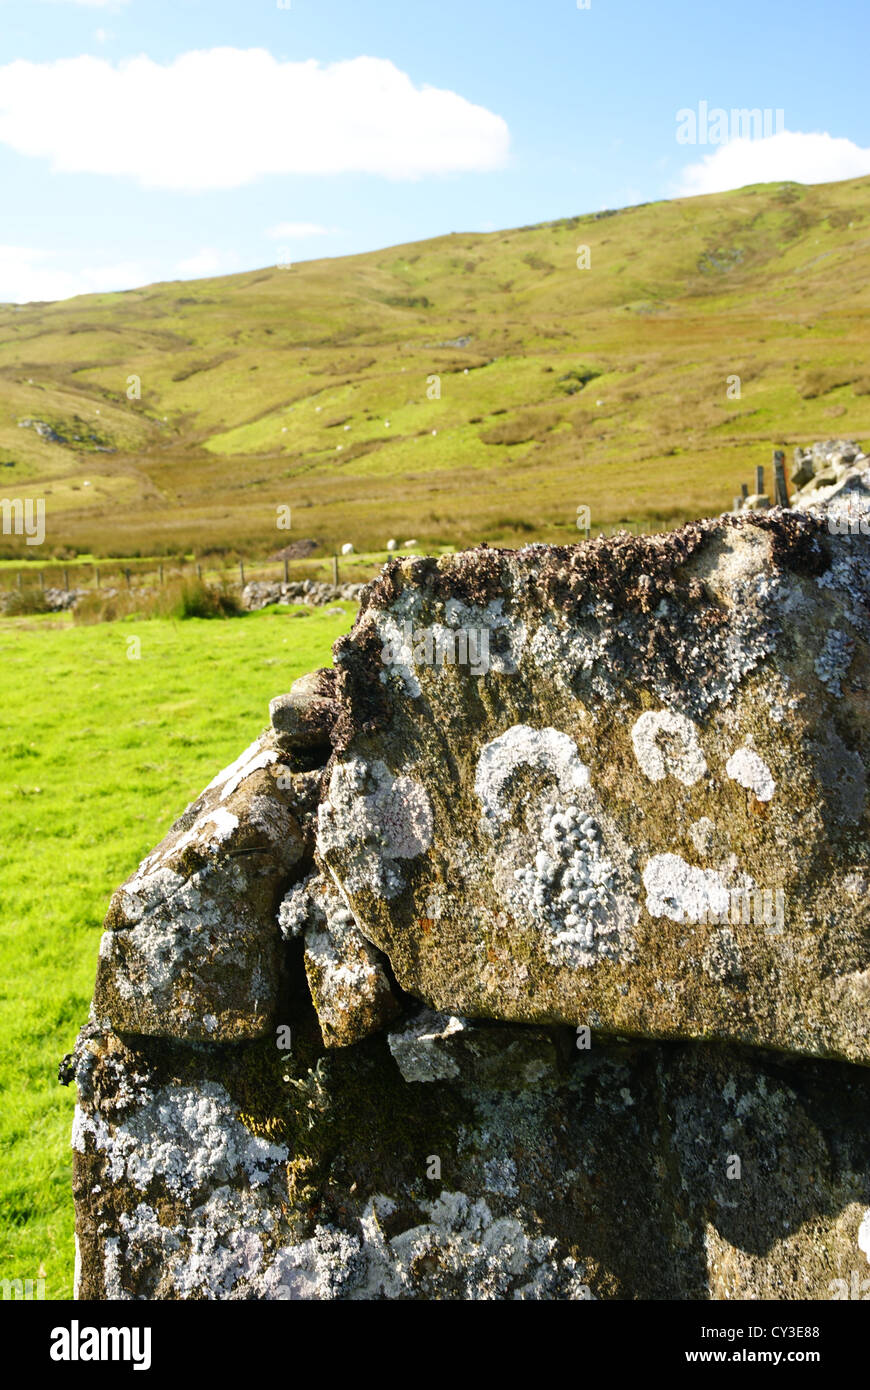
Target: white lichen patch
{"points": [[182, 953], [561, 653], [149, 892], [189, 1137], [209, 832], [476, 638], [570, 889], [397, 652], [667, 742], [702, 833], [750, 771], [507, 635], [225, 1246], [462, 1250], [328, 1266], [371, 819], [217, 1253], [848, 577], [261, 760], [229, 777], [500, 1176], [683, 892], [834, 660], [165, 932], [547, 750], [295, 912]]}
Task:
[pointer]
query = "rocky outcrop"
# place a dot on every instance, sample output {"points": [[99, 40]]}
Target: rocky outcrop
{"points": [[44, 430], [524, 956]]}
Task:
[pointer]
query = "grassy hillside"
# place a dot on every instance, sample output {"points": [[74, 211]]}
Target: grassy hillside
{"points": [[310, 386], [119, 749]]}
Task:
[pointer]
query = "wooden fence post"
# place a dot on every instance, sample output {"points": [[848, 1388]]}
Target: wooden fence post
{"points": [[335, 569], [759, 479]]}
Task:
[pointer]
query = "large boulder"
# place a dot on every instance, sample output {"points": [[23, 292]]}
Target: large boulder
{"points": [[620, 784], [525, 955]]}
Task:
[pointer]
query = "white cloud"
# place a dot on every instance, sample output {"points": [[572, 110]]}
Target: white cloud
{"points": [[206, 262], [298, 230], [224, 117], [27, 275], [791, 155], [94, 4]]}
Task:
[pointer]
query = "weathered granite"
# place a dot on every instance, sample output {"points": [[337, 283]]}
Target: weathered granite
{"points": [[521, 842], [191, 947], [663, 1171], [444, 989]]}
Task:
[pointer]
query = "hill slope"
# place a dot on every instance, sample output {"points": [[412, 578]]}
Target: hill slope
{"points": [[559, 386]]}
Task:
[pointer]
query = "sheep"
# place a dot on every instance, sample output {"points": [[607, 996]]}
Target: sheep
{"points": [[391, 544], [347, 548]]}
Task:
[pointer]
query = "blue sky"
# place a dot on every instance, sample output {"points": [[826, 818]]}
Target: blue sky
{"points": [[146, 140]]}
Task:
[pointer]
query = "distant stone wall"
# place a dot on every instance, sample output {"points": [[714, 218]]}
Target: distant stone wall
{"points": [[260, 593]]}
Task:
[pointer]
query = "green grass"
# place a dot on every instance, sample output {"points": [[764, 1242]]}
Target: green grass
{"points": [[273, 387], [98, 756]]}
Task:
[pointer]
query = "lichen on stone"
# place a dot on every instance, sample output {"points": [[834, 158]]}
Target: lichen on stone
{"points": [[377, 819], [454, 966], [665, 741]]}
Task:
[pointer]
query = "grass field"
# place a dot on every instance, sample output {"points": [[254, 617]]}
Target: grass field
{"points": [[470, 387], [99, 755]]}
